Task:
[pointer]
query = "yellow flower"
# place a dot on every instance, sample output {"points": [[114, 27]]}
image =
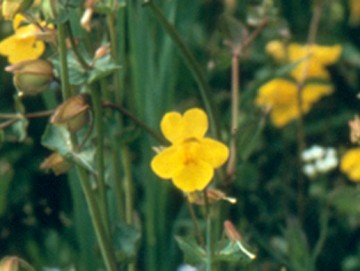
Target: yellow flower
{"points": [[350, 164], [24, 43], [281, 96], [191, 159], [311, 60]]}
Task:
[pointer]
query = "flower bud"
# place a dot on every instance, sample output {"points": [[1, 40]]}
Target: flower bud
{"points": [[56, 163], [31, 76], [73, 113], [10, 8], [355, 130], [235, 236], [13, 263]]}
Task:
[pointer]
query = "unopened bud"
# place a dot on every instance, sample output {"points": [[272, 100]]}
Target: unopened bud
{"points": [[31, 76], [102, 51], [85, 21], [235, 236], [355, 130], [73, 113], [10, 8], [56, 163], [13, 263]]}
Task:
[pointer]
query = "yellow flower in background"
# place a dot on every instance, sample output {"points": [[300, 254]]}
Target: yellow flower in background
{"points": [[350, 164], [311, 60], [24, 44], [191, 159], [281, 97]]}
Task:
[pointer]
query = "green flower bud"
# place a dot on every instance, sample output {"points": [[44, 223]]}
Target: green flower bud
{"points": [[10, 8], [73, 113], [32, 76]]}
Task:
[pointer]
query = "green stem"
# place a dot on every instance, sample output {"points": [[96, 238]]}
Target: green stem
{"points": [[128, 185], [104, 242], [64, 72], [209, 245], [98, 115], [193, 65], [75, 48], [119, 93], [195, 223], [235, 91], [137, 121]]}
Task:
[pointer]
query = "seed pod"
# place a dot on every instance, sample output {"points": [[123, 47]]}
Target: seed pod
{"points": [[73, 113], [31, 76], [56, 163]]}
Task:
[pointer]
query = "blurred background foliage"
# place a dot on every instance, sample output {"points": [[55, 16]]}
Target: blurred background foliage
{"points": [[43, 218]]}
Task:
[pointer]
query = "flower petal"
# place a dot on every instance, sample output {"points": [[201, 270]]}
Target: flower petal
{"points": [[194, 176], [195, 123], [22, 45], [172, 126], [177, 128], [213, 152], [168, 162]]}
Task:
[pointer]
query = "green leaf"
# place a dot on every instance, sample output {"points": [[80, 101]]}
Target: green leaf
{"points": [[126, 242], [346, 199], [103, 67], [19, 129], [231, 252], [298, 248], [57, 139], [193, 253], [249, 135]]}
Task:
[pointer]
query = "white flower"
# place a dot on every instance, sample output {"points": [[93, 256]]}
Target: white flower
{"points": [[313, 153], [319, 160], [186, 267]]}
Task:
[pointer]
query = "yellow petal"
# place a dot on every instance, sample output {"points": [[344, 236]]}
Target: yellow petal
{"points": [[326, 55], [194, 176], [277, 50], [314, 92], [18, 20], [350, 164], [172, 126], [168, 162], [309, 69], [22, 45], [177, 128], [195, 123], [213, 152]]}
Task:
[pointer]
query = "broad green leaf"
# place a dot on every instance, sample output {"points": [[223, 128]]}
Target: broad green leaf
{"points": [[19, 129], [102, 68], [57, 139], [126, 242], [193, 253]]}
